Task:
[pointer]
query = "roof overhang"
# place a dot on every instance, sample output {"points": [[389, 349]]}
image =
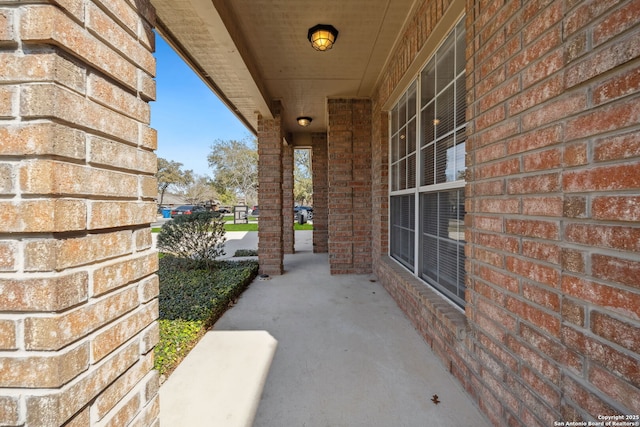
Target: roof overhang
{"points": [[253, 53]]}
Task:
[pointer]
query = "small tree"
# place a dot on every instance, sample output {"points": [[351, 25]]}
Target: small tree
{"points": [[303, 182], [235, 168], [200, 190], [169, 174], [199, 236]]}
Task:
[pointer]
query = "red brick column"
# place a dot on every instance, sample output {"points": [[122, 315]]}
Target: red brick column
{"points": [[349, 179], [320, 201], [78, 290], [287, 199], [270, 230]]}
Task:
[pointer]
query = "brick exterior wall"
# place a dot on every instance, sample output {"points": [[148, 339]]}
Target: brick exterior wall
{"points": [[288, 235], [78, 289], [380, 184], [349, 185], [270, 177], [551, 327], [319, 171]]}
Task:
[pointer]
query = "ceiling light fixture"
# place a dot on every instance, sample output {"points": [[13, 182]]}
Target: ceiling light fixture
{"points": [[304, 121], [322, 37]]}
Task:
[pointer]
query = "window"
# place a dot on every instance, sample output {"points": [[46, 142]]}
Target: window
{"points": [[428, 135]]}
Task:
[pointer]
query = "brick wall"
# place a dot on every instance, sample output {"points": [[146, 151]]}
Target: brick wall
{"points": [[320, 201], [349, 185], [380, 183], [270, 230], [551, 273], [551, 328], [78, 290], [288, 234]]}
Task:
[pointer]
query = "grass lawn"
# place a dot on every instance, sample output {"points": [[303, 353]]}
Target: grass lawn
{"points": [[252, 226]]}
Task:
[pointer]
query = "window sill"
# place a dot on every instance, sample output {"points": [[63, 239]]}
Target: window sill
{"points": [[396, 278]]}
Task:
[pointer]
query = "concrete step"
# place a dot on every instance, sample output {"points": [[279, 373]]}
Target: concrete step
{"points": [[220, 382]]}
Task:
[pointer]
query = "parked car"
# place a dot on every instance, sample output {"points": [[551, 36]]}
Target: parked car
{"points": [[309, 209], [224, 210], [255, 211], [186, 210]]}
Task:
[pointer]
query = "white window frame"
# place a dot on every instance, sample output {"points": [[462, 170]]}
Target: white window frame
{"points": [[418, 190]]}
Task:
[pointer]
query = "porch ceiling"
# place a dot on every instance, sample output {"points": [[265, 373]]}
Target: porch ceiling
{"points": [[254, 52]]}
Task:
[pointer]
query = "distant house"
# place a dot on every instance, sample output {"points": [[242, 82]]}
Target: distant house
{"points": [[172, 200]]}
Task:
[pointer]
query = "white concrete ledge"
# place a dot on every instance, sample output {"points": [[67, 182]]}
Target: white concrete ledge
{"points": [[220, 382]]}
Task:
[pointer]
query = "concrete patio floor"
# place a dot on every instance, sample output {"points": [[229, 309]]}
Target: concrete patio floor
{"points": [[345, 355]]}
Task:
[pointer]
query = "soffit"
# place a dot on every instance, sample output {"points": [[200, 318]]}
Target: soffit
{"points": [[255, 52]]}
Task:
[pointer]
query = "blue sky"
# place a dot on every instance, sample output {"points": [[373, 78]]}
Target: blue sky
{"points": [[187, 115]]}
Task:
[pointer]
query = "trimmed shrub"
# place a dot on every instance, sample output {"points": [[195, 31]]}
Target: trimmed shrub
{"points": [[189, 293], [192, 297], [245, 252], [199, 237]]}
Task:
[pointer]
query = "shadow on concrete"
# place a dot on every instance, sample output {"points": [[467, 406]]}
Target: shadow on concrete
{"points": [[347, 355]]}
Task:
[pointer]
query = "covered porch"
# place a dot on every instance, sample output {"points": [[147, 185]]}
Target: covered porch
{"points": [[480, 158], [256, 56], [345, 355]]}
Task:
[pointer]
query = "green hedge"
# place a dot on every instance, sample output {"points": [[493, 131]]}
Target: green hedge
{"points": [[192, 297], [245, 252], [177, 338]]}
